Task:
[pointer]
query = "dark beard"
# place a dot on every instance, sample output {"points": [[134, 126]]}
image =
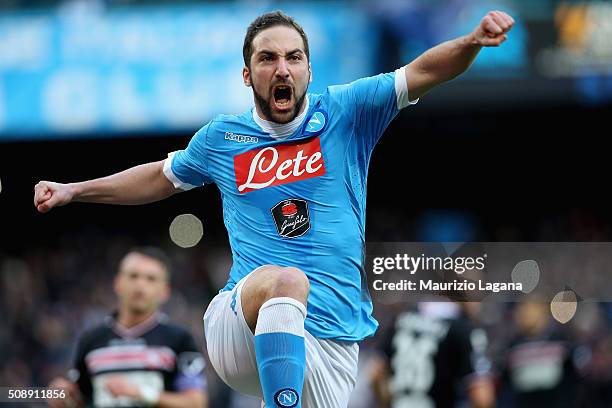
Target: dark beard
{"points": [[267, 110]]}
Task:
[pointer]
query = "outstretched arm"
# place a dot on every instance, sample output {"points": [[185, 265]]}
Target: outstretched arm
{"points": [[450, 59], [139, 185]]}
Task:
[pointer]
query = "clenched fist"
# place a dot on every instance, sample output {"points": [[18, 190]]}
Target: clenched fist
{"points": [[48, 195], [491, 31]]}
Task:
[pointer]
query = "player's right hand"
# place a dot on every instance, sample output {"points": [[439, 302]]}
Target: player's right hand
{"points": [[72, 395], [48, 195]]}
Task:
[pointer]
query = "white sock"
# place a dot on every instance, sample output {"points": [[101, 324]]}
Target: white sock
{"points": [[281, 314]]}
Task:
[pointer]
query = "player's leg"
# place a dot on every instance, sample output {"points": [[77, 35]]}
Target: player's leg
{"points": [[229, 343], [331, 372], [273, 302]]}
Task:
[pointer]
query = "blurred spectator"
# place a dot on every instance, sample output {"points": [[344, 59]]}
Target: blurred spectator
{"points": [[598, 375], [435, 358], [540, 365]]}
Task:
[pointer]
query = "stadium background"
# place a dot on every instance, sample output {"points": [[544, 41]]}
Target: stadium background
{"points": [[515, 150]]}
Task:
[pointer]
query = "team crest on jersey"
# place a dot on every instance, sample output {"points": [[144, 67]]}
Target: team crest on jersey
{"points": [[286, 397], [291, 218], [316, 124]]}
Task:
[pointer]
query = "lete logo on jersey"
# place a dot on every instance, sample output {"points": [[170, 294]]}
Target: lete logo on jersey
{"points": [[275, 165]]}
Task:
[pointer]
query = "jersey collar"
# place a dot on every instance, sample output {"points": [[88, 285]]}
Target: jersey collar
{"points": [[138, 330], [282, 131]]}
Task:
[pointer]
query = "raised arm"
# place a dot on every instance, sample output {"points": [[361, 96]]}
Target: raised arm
{"points": [[450, 59], [138, 185]]}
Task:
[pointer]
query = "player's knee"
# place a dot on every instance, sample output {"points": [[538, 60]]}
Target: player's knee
{"points": [[291, 282]]}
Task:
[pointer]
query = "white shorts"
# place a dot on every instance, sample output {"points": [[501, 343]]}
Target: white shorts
{"points": [[331, 366]]}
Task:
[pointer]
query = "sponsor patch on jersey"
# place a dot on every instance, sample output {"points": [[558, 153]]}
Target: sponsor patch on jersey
{"points": [[130, 356], [280, 164], [291, 218]]}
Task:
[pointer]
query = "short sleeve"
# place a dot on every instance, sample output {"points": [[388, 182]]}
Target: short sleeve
{"points": [[373, 102], [188, 168], [386, 344], [471, 347], [79, 373], [465, 352], [190, 365]]}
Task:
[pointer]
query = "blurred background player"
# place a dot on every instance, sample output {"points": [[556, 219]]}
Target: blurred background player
{"points": [[434, 357], [136, 358], [541, 366]]}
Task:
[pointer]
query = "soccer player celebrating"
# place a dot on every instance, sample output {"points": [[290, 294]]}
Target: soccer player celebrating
{"points": [[136, 358], [292, 174]]}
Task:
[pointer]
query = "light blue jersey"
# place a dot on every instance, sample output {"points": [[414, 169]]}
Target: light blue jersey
{"points": [[301, 200]]}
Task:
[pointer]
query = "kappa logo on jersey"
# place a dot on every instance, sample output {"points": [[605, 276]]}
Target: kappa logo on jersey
{"points": [[276, 165], [291, 218], [241, 138], [286, 398]]}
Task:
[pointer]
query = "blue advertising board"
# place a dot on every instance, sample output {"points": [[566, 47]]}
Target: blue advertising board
{"points": [[152, 68]]}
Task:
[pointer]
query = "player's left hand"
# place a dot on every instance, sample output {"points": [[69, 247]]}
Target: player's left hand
{"points": [[120, 387], [491, 32]]}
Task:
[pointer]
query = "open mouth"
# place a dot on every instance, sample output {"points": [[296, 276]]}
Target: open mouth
{"points": [[282, 96]]}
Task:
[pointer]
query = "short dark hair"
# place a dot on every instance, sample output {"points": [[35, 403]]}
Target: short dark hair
{"points": [[155, 253], [269, 20]]}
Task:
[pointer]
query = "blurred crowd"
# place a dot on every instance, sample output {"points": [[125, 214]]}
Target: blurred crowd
{"points": [[27, 4], [49, 295]]}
